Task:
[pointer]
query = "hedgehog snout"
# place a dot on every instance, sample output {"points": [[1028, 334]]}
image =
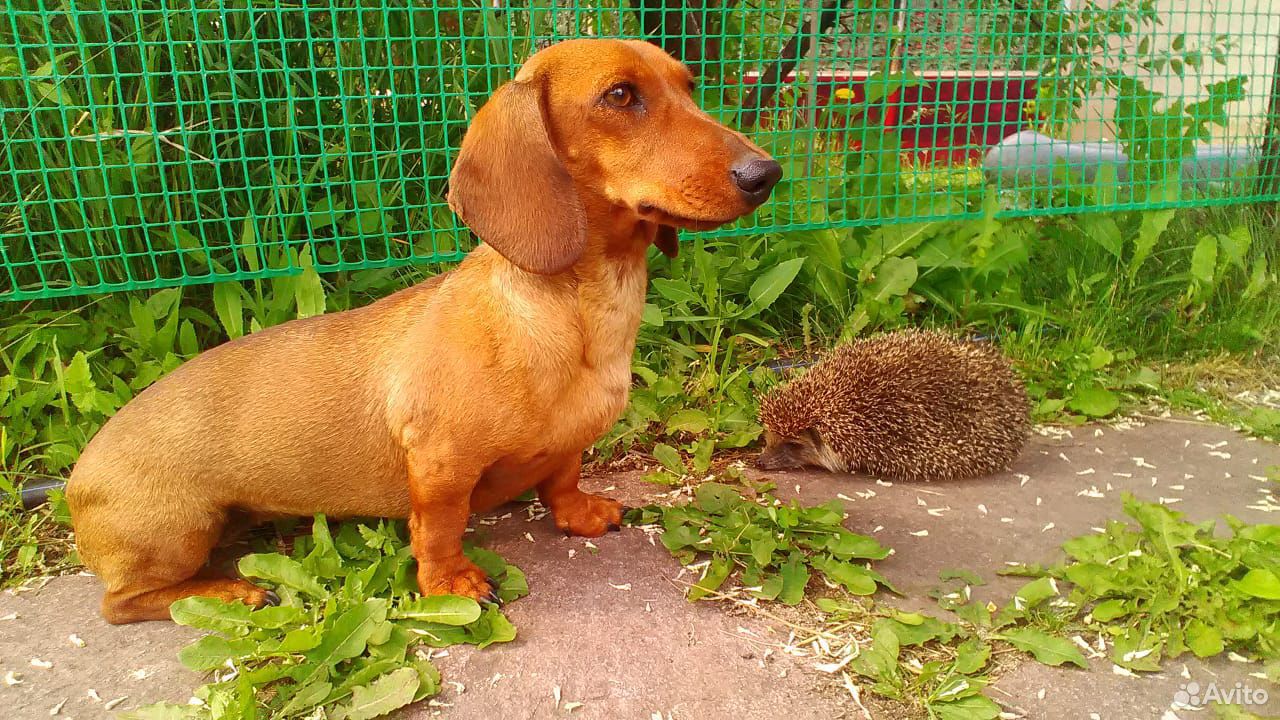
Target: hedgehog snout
{"points": [[787, 453], [777, 457]]}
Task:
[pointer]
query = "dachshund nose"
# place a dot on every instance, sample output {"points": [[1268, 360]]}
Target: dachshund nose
{"points": [[755, 178]]}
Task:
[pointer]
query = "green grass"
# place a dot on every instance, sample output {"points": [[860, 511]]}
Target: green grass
{"points": [[1158, 588], [339, 643], [1101, 313], [32, 544]]}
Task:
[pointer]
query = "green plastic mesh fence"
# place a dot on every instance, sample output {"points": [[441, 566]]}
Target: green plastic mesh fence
{"points": [[150, 143]]}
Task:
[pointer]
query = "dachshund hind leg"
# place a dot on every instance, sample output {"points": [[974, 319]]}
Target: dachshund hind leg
{"points": [[146, 568], [123, 607]]}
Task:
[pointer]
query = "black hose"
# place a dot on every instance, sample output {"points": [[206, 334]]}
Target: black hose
{"points": [[37, 494]]}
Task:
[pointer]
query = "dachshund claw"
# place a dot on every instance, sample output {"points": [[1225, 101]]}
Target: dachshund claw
{"points": [[492, 595], [270, 599]]}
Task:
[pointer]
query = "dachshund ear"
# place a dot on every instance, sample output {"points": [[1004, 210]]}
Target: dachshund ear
{"points": [[667, 241], [511, 189]]}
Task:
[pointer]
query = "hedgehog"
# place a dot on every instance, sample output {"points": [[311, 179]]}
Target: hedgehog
{"points": [[908, 405]]}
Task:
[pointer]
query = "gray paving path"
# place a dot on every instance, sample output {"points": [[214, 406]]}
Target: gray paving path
{"points": [[608, 628]]}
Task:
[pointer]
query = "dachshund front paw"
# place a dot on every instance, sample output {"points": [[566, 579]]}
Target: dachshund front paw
{"points": [[457, 577], [586, 515]]}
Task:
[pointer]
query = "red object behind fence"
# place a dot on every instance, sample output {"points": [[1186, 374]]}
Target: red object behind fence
{"points": [[949, 117]]}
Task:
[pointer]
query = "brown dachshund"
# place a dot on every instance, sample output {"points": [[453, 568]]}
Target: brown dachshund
{"points": [[452, 396]]}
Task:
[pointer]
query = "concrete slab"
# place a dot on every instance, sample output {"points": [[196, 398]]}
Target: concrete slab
{"points": [[1060, 488], [609, 628], [611, 631], [138, 662]]}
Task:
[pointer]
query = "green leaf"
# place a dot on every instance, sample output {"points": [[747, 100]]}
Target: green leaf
{"points": [[444, 609], [1110, 610], [188, 345], [652, 315], [306, 698], [893, 278], [513, 585], [492, 627], [1204, 640], [929, 628], [1236, 712], [281, 570], [207, 653], [488, 560], [880, 661], [770, 586], [1094, 401], [702, 450], [712, 578], [1235, 245], [1046, 648], [1138, 649], [968, 577], [229, 306], [76, 378], [676, 291], [769, 286], [324, 559], [1100, 358], [855, 578], [1204, 260], [324, 213], [347, 636], [972, 707], [1260, 583], [1258, 279], [716, 498], [444, 635], [669, 458], [298, 640], [144, 324], [389, 692], [971, 656], [975, 613], [273, 618], [689, 420], [677, 536], [795, 577], [308, 290], [1035, 592], [1154, 223], [364, 670], [762, 550], [428, 677], [1103, 230], [207, 613], [847, 545]]}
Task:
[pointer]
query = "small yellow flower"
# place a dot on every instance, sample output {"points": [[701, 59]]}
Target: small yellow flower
{"points": [[844, 93]]}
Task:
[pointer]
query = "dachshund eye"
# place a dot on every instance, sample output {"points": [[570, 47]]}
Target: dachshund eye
{"points": [[621, 95]]}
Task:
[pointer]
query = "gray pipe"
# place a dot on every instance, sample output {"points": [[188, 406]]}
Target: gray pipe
{"points": [[1028, 158], [36, 494]]}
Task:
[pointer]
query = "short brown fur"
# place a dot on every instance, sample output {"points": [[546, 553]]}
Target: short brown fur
{"points": [[449, 397]]}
